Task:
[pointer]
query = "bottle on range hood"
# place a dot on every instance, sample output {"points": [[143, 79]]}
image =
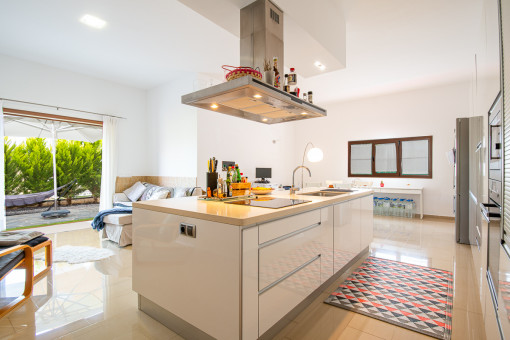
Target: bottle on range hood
{"points": [[292, 76]]}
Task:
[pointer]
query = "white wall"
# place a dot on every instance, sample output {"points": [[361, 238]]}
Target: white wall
{"points": [[172, 129], [250, 144], [32, 82], [430, 111]]}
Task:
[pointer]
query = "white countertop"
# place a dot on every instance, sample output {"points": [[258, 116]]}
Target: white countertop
{"points": [[243, 215]]}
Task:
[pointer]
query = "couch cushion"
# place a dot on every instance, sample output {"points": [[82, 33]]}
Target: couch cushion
{"points": [[11, 238], [150, 189], [9, 261], [160, 194], [118, 219], [120, 197], [135, 192]]}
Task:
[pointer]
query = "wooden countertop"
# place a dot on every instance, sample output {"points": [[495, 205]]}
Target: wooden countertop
{"points": [[242, 215]]}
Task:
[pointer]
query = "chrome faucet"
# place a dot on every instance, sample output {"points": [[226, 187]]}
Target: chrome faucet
{"points": [[293, 188]]}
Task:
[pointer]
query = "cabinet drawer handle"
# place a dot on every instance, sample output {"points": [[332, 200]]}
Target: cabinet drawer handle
{"points": [[265, 289], [281, 238]]}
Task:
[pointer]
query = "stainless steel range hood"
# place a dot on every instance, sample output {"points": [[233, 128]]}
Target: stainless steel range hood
{"points": [[247, 97]]}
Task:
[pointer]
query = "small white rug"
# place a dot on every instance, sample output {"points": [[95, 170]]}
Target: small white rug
{"points": [[76, 254]]}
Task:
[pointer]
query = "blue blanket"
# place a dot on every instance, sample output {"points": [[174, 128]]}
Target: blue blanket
{"points": [[97, 222]]}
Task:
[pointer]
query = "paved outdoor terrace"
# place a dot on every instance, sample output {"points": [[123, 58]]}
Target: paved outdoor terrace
{"points": [[33, 217]]}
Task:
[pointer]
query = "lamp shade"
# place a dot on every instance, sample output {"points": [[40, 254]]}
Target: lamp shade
{"points": [[315, 155]]}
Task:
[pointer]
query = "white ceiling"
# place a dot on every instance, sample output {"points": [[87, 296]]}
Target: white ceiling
{"points": [[398, 45], [144, 44], [391, 45]]}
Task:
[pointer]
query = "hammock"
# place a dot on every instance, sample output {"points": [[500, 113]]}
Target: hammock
{"points": [[38, 197]]}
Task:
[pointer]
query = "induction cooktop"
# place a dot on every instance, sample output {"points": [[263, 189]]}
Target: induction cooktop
{"points": [[268, 202]]}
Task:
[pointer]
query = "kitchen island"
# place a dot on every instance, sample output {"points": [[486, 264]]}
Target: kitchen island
{"points": [[215, 270]]}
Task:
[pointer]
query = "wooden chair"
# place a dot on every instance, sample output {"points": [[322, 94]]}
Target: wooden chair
{"points": [[48, 258], [24, 260], [10, 259]]}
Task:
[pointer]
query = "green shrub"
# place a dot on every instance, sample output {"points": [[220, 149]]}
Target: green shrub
{"points": [[91, 177], [70, 165], [35, 164], [29, 166], [12, 173]]}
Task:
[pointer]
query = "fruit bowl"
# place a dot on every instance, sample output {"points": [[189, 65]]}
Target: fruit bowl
{"points": [[261, 191]]}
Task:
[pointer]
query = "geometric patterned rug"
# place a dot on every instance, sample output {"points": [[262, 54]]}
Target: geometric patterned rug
{"points": [[410, 296]]}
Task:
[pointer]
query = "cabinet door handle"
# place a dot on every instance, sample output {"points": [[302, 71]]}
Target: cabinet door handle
{"points": [[284, 237], [268, 287]]}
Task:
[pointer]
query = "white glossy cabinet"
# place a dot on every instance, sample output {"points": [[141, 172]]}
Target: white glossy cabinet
{"points": [[347, 232], [277, 301], [194, 278], [233, 282], [367, 221], [292, 265]]}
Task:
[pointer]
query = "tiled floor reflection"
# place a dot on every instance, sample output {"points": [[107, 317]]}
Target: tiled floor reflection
{"points": [[95, 300], [82, 301]]}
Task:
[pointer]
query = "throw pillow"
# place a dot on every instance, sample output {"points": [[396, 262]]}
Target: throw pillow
{"points": [[120, 197], [159, 194], [180, 192], [150, 189], [135, 192]]}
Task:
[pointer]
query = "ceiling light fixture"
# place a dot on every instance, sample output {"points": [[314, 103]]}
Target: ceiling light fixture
{"points": [[92, 21], [320, 66], [214, 106], [304, 113], [264, 119], [257, 96]]}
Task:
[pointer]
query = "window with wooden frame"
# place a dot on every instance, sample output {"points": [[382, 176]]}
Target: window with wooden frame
{"points": [[409, 157]]}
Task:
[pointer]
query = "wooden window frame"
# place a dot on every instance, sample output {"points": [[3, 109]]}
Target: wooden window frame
{"points": [[398, 142]]}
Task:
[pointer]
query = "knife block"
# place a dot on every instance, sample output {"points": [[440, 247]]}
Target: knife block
{"points": [[212, 181]]}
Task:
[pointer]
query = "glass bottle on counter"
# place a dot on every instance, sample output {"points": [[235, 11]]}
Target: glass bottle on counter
{"points": [[238, 174], [229, 186]]}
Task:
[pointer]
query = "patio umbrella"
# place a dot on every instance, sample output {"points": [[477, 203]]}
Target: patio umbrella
{"points": [[42, 128]]}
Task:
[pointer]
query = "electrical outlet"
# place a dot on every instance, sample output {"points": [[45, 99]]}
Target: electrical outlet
{"points": [[189, 230]]}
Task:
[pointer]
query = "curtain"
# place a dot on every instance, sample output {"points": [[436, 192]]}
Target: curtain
{"points": [[2, 172], [109, 169]]}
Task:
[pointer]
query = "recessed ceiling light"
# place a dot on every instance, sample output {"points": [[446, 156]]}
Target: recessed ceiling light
{"points": [[304, 113], [257, 96], [264, 119], [92, 21], [214, 106], [320, 66]]}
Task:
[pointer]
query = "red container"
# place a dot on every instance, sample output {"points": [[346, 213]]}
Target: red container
{"points": [[241, 71]]}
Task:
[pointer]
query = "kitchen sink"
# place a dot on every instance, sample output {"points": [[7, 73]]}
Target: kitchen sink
{"points": [[338, 190], [324, 193]]}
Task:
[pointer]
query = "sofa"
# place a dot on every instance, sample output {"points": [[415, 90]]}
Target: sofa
{"points": [[118, 228]]}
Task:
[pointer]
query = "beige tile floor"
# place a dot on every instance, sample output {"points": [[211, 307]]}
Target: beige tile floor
{"points": [[95, 300]]}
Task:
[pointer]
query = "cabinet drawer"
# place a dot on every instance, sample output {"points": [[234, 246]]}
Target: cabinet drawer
{"points": [[277, 301], [272, 230], [287, 254]]}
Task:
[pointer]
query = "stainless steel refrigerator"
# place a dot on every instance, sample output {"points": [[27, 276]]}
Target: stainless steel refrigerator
{"points": [[468, 174]]}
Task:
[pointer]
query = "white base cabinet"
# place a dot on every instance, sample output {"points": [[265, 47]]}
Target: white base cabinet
{"points": [[346, 232], [232, 282], [367, 221]]}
